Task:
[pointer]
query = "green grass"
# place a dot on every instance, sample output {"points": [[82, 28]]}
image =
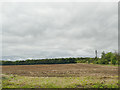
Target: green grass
{"points": [[14, 81]]}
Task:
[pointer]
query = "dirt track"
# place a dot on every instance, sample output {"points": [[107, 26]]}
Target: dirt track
{"points": [[60, 70]]}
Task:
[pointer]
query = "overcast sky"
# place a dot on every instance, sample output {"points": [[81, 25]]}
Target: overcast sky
{"points": [[48, 30]]}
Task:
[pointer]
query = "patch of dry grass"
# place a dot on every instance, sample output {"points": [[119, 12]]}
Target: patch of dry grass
{"points": [[15, 81]]}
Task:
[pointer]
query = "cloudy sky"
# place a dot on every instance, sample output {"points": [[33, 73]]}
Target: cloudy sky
{"points": [[48, 30]]}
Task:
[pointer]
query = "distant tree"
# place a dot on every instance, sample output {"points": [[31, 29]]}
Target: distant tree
{"points": [[114, 59], [103, 55]]}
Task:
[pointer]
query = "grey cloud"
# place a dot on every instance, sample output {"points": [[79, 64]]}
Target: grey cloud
{"points": [[59, 30]]}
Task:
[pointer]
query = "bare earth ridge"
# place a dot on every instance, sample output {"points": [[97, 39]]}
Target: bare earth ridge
{"points": [[61, 70]]}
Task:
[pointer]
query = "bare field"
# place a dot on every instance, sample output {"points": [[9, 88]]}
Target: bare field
{"points": [[61, 70]]}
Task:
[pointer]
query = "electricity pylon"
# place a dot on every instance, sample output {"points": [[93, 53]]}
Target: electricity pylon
{"points": [[95, 53]]}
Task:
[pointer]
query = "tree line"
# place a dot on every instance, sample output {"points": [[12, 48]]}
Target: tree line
{"points": [[106, 58]]}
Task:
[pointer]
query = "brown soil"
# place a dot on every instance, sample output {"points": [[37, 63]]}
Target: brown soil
{"points": [[61, 70]]}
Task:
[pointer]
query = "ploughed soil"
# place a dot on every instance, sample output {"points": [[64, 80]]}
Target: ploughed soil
{"points": [[61, 70]]}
